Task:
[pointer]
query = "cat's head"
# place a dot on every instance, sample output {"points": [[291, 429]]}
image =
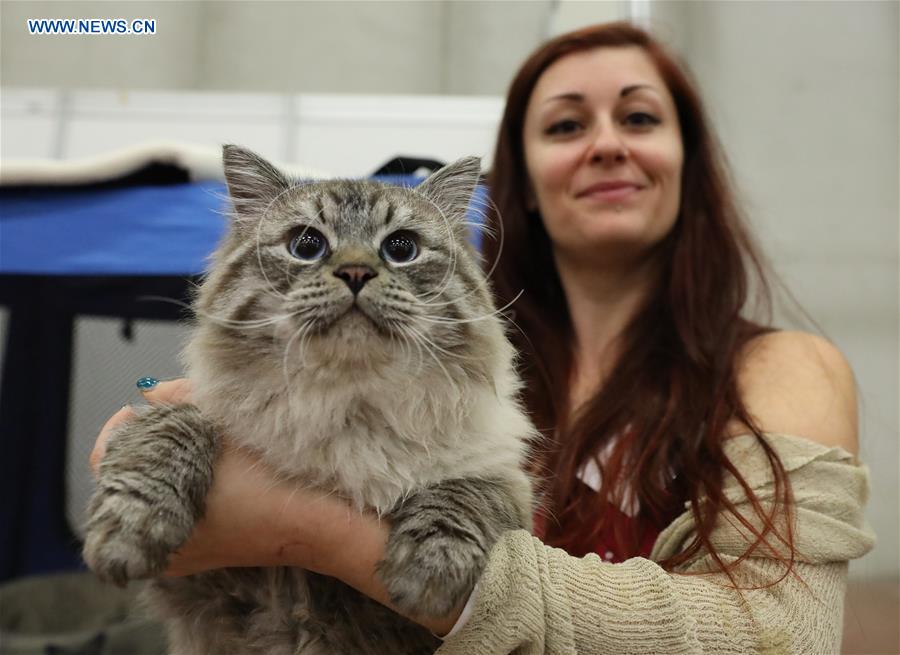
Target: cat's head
{"points": [[348, 264]]}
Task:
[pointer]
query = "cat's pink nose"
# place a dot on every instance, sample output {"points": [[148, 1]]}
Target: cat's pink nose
{"points": [[355, 275]]}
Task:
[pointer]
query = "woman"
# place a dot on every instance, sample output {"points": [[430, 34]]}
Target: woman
{"points": [[667, 410]]}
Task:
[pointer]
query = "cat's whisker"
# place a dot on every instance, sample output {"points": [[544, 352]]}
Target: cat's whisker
{"points": [[309, 326], [421, 335], [509, 319], [171, 301], [448, 353], [456, 321], [502, 237], [249, 324], [421, 344], [405, 331], [220, 320], [287, 352], [308, 329], [397, 334], [420, 350], [437, 359]]}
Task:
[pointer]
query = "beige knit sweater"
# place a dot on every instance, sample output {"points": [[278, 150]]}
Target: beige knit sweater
{"points": [[536, 599]]}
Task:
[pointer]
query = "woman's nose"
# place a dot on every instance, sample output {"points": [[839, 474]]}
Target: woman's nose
{"points": [[608, 146]]}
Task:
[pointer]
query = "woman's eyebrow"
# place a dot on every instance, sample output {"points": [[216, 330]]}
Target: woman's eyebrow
{"points": [[570, 97], [636, 87], [573, 96]]}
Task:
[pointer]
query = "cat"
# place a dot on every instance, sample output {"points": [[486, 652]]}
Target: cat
{"points": [[346, 334]]}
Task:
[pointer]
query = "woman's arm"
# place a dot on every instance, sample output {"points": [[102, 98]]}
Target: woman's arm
{"points": [[267, 523], [252, 519]]}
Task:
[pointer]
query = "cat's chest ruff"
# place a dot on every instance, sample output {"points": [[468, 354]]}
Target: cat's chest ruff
{"points": [[371, 433], [358, 434], [352, 448]]}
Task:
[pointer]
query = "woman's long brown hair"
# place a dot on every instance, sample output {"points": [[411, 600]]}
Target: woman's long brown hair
{"points": [[673, 389]]}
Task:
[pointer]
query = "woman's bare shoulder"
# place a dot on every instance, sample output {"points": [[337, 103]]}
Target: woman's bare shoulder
{"points": [[800, 384]]}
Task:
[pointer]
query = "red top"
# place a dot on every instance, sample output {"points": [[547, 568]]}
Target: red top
{"points": [[617, 521], [605, 545]]}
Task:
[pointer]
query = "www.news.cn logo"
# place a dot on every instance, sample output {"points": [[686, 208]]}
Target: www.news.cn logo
{"points": [[91, 26]]}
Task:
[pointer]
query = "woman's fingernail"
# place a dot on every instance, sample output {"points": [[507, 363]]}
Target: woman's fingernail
{"points": [[145, 384]]}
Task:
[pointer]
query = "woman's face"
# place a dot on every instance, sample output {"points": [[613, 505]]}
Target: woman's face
{"points": [[604, 154]]}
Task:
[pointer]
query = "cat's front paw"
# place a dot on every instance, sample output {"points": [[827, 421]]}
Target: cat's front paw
{"points": [[439, 541], [435, 577], [150, 492]]}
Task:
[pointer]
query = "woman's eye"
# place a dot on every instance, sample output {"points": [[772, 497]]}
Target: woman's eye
{"points": [[308, 246], [642, 119], [567, 126], [399, 248]]}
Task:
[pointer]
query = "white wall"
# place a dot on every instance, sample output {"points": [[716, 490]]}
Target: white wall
{"points": [[438, 46], [568, 15], [806, 99]]}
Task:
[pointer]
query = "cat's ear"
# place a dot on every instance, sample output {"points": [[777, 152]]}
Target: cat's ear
{"points": [[253, 183], [451, 187]]}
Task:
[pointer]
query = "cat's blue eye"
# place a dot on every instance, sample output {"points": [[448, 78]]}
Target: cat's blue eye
{"points": [[399, 248], [309, 245]]}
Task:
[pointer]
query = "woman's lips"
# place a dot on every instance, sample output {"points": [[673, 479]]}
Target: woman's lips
{"points": [[616, 194]]}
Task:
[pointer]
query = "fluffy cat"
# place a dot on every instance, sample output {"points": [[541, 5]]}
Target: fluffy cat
{"points": [[346, 334]]}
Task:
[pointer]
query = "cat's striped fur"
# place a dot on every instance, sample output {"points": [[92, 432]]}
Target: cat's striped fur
{"points": [[395, 389]]}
